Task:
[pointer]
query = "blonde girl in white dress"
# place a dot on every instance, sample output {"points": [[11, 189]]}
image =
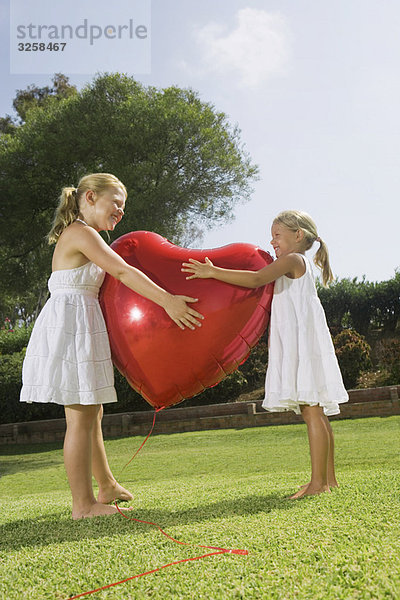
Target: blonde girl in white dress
{"points": [[68, 358], [303, 374]]}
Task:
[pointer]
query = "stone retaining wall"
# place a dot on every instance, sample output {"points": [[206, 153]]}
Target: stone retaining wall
{"points": [[374, 402]]}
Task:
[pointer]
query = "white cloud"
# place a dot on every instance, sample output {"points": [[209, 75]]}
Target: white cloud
{"points": [[256, 49]]}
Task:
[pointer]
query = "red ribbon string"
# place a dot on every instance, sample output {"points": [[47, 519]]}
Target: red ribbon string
{"points": [[176, 562], [221, 550], [147, 437]]}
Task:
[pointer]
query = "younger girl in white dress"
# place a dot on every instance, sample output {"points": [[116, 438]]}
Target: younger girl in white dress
{"points": [[68, 358], [303, 374]]}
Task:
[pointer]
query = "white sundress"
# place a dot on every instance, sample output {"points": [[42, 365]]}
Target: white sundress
{"points": [[302, 365], [68, 358]]}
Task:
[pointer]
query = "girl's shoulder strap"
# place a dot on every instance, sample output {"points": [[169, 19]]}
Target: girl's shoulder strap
{"points": [[308, 265], [304, 257], [305, 260], [309, 268]]}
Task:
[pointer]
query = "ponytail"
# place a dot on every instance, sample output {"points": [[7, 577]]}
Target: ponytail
{"points": [[66, 213], [321, 259]]}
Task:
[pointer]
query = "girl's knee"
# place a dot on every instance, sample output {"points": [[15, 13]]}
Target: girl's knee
{"points": [[78, 415], [311, 412]]}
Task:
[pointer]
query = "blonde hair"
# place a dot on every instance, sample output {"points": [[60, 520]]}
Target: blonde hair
{"points": [[295, 220], [68, 207]]}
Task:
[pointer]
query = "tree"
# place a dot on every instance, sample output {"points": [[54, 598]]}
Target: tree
{"points": [[7, 125], [182, 162], [34, 97]]}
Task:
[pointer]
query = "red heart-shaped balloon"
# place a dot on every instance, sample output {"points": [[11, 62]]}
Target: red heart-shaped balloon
{"points": [[164, 363]]}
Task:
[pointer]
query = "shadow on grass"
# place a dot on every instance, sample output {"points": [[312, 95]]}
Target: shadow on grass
{"points": [[21, 449], [8, 467], [57, 528]]}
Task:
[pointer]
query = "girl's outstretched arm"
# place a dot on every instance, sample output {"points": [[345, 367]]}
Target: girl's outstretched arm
{"points": [[92, 245], [291, 265]]}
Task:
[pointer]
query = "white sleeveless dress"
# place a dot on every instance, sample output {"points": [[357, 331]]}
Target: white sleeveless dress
{"points": [[68, 358], [302, 365]]}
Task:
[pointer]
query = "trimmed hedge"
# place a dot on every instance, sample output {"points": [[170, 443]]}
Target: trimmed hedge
{"points": [[362, 305]]}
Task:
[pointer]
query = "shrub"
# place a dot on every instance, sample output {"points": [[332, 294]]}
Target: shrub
{"points": [[353, 354], [10, 378], [372, 379], [249, 376], [14, 340], [128, 399], [12, 410], [388, 354], [224, 391], [362, 305], [13, 344], [254, 368]]}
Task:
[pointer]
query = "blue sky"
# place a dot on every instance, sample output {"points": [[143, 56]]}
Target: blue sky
{"points": [[315, 89]]}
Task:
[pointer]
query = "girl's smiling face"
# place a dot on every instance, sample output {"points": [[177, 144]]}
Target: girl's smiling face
{"points": [[284, 240], [107, 208]]}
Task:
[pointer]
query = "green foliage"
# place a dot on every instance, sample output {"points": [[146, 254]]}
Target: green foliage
{"points": [[388, 353], [255, 366], [35, 97], [11, 409], [225, 391], [353, 354], [7, 125], [182, 162], [249, 376], [362, 305], [335, 300], [387, 304], [388, 358], [10, 378], [128, 399], [224, 488], [373, 379], [14, 339]]}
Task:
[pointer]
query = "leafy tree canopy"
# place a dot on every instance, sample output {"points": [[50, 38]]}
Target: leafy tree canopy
{"points": [[181, 160]]}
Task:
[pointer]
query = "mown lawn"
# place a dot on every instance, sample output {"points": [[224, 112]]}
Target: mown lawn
{"points": [[225, 488]]}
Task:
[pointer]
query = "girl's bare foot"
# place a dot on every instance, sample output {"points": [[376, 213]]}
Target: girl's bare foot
{"points": [[301, 487], [113, 491], [96, 510], [331, 485], [310, 490]]}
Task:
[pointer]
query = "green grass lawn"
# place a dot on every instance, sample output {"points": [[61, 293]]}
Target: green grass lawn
{"points": [[225, 488]]}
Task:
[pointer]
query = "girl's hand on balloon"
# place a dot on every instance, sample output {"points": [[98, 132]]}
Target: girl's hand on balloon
{"points": [[181, 313], [197, 269]]}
